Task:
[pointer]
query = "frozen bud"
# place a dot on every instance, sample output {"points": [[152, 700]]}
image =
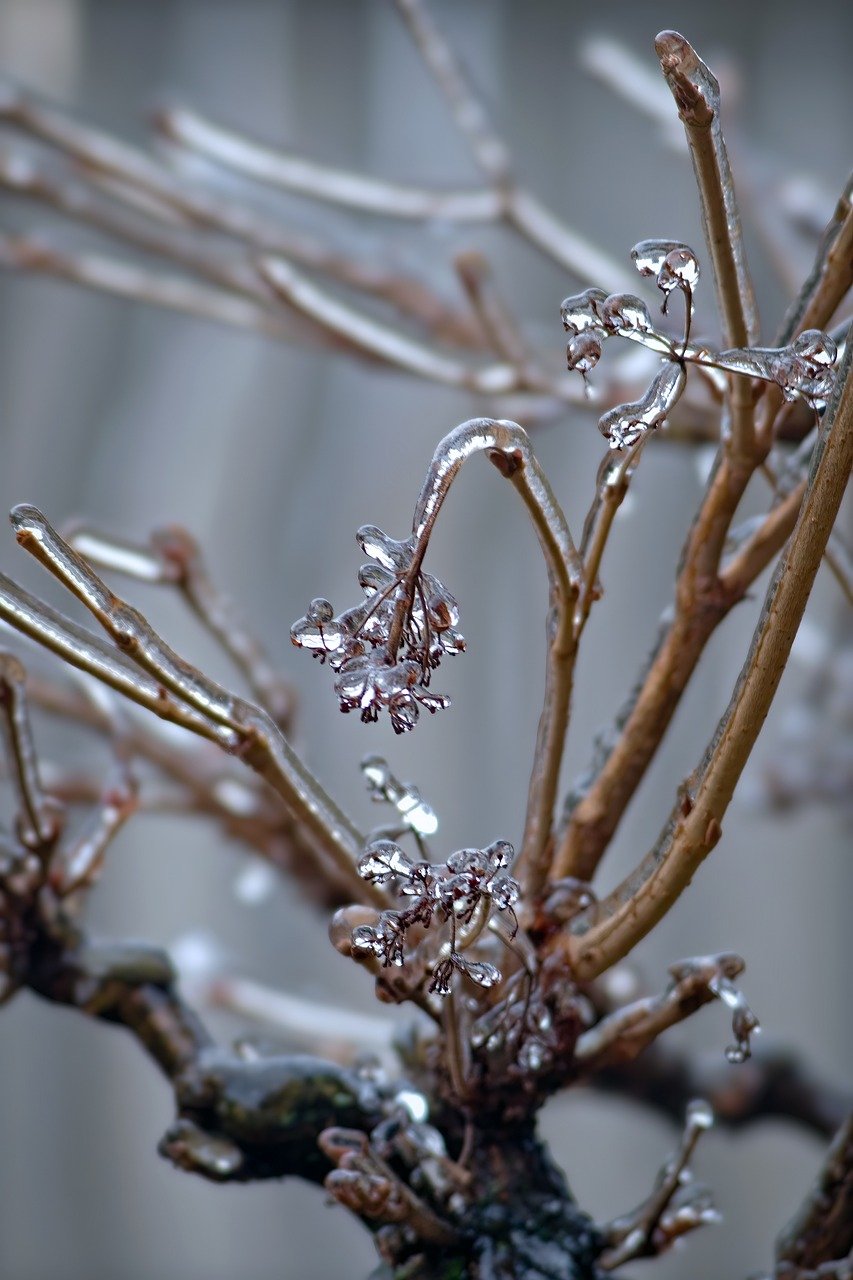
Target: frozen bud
{"points": [[700, 1114], [625, 424], [583, 353], [382, 861], [405, 713], [679, 270], [464, 860], [442, 611], [317, 631], [479, 971], [504, 892], [388, 552], [499, 853], [344, 923], [671, 262], [816, 348], [625, 314], [532, 1055], [377, 775], [582, 311], [320, 610], [373, 578]]}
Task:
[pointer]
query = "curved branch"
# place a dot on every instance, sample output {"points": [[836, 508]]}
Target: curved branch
{"points": [[508, 447]]}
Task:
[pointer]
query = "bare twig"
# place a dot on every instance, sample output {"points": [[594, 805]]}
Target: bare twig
{"points": [[227, 718], [381, 342], [173, 557], [343, 1034], [604, 933], [772, 1083], [611, 488], [177, 293], [518, 207], [37, 823], [134, 178], [697, 96], [822, 1229], [304, 177]]}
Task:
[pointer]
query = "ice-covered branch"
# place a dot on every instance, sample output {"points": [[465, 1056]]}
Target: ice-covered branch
{"points": [[153, 674], [605, 932], [697, 96]]}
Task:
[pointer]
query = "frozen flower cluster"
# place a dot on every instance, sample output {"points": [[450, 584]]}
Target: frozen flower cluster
{"points": [[804, 369], [460, 894], [385, 649]]}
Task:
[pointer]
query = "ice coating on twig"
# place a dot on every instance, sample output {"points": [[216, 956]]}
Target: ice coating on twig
{"points": [[625, 424], [169, 684], [414, 812], [675, 1206]]}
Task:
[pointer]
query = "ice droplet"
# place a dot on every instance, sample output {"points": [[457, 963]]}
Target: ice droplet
{"points": [[582, 311], [484, 974], [383, 860], [414, 1103], [386, 551], [406, 799], [625, 314], [583, 353], [532, 1055], [700, 1114], [673, 263]]}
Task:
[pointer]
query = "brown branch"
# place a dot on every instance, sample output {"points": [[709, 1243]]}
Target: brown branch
{"points": [[697, 96], [601, 935], [830, 278], [132, 177], [190, 696], [173, 558], [773, 1083], [592, 816], [822, 1229]]}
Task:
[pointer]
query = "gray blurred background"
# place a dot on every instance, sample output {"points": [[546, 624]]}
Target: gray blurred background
{"points": [[273, 457]]}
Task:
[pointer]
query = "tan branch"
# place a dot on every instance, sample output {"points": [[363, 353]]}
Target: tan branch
{"points": [[601, 935], [192, 696], [697, 96]]}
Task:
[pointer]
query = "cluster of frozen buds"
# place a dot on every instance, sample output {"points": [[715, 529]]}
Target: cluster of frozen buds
{"points": [[385, 649], [461, 894], [803, 369]]}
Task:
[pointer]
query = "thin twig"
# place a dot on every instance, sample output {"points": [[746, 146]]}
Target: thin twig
{"points": [[248, 729], [518, 207], [312, 1024], [508, 447], [37, 824], [303, 177], [173, 557], [611, 488], [697, 96], [139, 284], [135, 178], [381, 342], [772, 1083], [822, 1229], [602, 934]]}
